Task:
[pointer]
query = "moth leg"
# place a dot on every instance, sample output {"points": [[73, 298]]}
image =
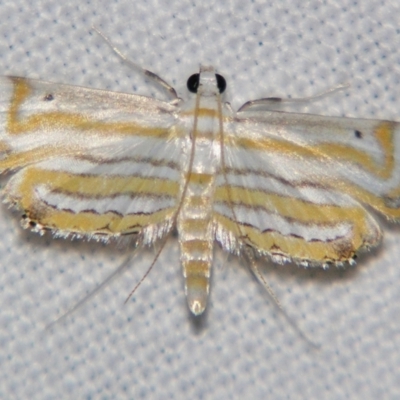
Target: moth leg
{"points": [[272, 103], [151, 75]]}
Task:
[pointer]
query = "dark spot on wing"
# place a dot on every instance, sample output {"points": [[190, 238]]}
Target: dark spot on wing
{"points": [[48, 97], [358, 134]]}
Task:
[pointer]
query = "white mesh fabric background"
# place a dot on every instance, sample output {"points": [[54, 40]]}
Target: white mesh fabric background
{"points": [[243, 347]]}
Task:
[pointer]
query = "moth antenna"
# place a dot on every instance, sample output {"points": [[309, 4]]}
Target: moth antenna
{"points": [[148, 269], [253, 265], [256, 271], [272, 103], [151, 75], [89, 296]]}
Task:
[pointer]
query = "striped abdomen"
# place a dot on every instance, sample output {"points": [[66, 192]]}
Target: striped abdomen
{"points": [[196, 239], [195, 220]]}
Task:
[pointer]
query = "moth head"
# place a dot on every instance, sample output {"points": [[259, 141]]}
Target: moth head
{"points": [[207, 81]]}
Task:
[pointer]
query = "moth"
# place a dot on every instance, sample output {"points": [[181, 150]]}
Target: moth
{"points": [[102, 165]]}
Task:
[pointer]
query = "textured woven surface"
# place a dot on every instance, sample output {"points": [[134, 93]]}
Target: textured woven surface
{"points": [[243, 347]]}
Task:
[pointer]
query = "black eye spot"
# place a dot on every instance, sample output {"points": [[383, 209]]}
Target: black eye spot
{"points": [[193, 83], [221, 83], [358, 134], [48, 97]]}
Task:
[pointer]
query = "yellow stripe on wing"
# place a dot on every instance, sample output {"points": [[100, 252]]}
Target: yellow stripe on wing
{"points": [[298, 248], [24, 158], [379, 203], [290, 207], [23, 192], [93, 185], [329, 151], [57, 120], [91, 223]]}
